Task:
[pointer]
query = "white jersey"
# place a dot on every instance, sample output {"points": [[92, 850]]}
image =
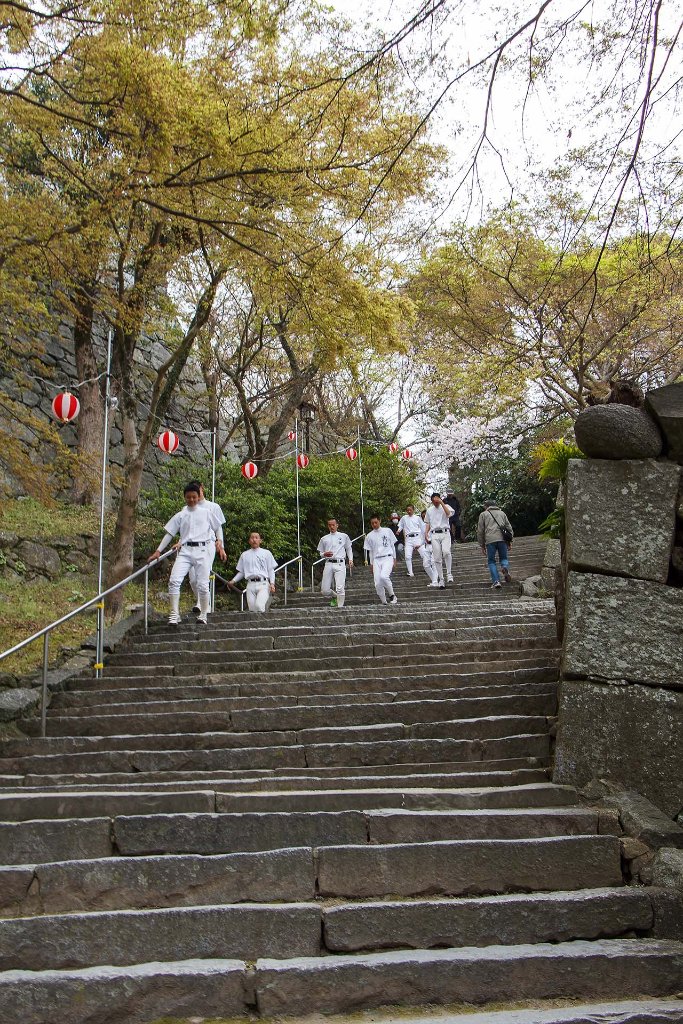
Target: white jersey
{"points": [[413, 527], [256, 562], [214, 507], [437, 517], [338, 543], [193, 525], [379, 543]]}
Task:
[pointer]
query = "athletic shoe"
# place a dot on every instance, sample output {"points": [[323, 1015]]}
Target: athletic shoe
{"points": [[201, 621], [434, 585], [442, 586], [333, 602], [411, 575], [506, 574], [496, 585], [393, 599], [450, 579], [197, 610]]}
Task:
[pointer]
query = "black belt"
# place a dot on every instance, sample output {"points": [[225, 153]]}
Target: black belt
{"points": [[342, 560], [195, 543], [388, 555], [257, 579], [410, 535], [445, 530]]}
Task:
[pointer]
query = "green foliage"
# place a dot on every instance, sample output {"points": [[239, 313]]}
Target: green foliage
{"points": [[328, 487], [553, 458], [552, 526], [514, 485]]}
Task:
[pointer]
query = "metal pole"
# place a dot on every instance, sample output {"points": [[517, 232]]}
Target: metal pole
{"points": [[298, 511], [360, 476], [285, 586], [43, 706], [213, 498], [100, 565], [146, 602]]}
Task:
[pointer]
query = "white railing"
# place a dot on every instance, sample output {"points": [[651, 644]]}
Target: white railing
{"points": [[94, 602], [361, 536]]}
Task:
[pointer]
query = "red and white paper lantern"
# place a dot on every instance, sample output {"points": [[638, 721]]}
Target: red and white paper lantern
{"points": [[249, 470], [302, 460], [168, 442], [351, 454], [65, 407], [393, 447], [292, 435], [407, 454]]}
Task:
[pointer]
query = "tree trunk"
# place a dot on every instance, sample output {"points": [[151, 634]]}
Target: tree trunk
{"points": [[90, 421]]}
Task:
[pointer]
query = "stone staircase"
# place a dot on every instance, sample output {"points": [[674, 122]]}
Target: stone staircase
{"points": [[321, 811]]}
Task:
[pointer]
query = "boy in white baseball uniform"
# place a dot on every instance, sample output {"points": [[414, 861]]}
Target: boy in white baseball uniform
{"points": [[257, 565], [193, 524], [336, 548], [413, 534], [379, 544], [428, 560], [438, 530], [215, 545]]}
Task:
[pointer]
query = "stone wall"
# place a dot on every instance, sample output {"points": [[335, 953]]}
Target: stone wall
{"points": [[187, 411], [621, 697]]}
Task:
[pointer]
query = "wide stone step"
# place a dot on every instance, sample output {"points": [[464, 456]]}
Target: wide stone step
{"points": [[138, 994], [211, 731], [291, 756], [452, 868], [249, 931], [382, 777], [28, 806], [630, 1011], [232, 833]]}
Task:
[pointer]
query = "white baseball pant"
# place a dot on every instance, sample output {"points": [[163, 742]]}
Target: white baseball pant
{"points": [[190, 559], [192, 575], [334, 572], [258, 595], [441, 552], [381, 570]]}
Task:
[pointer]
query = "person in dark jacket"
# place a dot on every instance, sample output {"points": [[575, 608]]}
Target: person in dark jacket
{"points": [[455, 520]]}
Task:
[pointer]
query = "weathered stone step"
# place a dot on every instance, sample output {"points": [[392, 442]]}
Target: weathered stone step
{"points": [[452, 868], [232, 833], [510, 919], [27, 806], [314, 799], [608, 968], [467, 775], [186, 698], [291, 756], [631, 1011], [249, 931], [185, 730], [421, 652], [604, 968]]}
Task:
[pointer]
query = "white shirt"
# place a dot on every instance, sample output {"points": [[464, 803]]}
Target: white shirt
{"points": [[256, 562], [412, 524], [379, 543], [437, 518], [192, 524], [214, 507], [338, 543]]}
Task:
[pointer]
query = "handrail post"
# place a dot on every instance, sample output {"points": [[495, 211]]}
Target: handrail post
{"points": [[43, 704], [146, 602], [285, 586], [313, 579]]}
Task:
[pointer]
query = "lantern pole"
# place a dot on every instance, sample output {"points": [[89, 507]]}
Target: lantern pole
{"points": [[360, 477], [100, 565], [213, 498], [298, 508]]}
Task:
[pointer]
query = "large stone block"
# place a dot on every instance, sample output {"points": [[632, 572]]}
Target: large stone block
{"points": [[617, 432], [631, 734], [666, 405], [39, 558], [623, 629], [621, 516]]}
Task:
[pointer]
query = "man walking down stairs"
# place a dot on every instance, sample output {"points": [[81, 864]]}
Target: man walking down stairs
{"points": [[338, 810]]}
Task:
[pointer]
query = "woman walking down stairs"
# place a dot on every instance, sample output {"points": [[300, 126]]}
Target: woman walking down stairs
{"points": [[328, 811]]}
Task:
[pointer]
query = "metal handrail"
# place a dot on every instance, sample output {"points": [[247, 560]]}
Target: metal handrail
{"points": [[243, 592], [323, 559], [97, 602]]}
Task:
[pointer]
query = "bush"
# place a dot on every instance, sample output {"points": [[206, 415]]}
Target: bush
{"points": [[514, 485], [329, 486]]}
